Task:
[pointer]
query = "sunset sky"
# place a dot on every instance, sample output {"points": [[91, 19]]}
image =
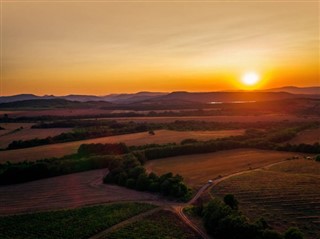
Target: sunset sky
{"points": [[107, 47]]}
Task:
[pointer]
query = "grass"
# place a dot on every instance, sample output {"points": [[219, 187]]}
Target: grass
{"points": [[160, 225], [286, 194], [198, 169], [310, 136], [68, 224], [160, 137]]}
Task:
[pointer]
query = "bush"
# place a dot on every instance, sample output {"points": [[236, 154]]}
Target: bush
{"points": [[293, 233], [130, 183], [269, 234], [188, 141], [318, 158], [231, 201], [102, 149], [142, 182]]}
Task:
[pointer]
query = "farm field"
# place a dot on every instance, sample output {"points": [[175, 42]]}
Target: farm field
{"points": [[27, 133], [12, 126], [54, 112], [160, 137], [307, 137], [68, 224], [286, 194], [198, 169], [68, 191], [163, 224], [220, 118]]}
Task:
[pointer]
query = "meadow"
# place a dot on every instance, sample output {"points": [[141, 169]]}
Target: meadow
{"points": [[163, 224], [286, 194], [160, 137], [68, 224], [198, 169]]}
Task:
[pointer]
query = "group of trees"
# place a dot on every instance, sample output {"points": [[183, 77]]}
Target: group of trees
{"points": [[302, 148], [131, 174], [222, 220], [102, 149], [11, 173]]}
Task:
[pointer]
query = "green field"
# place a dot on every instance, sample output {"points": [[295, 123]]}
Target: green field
{"points": [[160, 225], [286, 194], [68, 224]]}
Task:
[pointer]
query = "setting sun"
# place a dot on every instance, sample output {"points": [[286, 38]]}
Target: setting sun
{"points": [[250, 78]]}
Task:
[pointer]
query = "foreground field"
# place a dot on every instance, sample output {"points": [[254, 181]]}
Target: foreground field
{"points": [[286, 194], [160, 137], [67, 191], [68, 224], [307, 137], [163, 224], [198, 169], [26, 133]]}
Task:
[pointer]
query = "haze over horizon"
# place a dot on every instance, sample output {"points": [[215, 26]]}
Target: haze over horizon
{"points": [[99, 48]]}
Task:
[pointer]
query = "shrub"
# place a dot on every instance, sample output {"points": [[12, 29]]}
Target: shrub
{"points": [[293, 233], [270, 234], [231, 201], [188, 141], [130, 183]]}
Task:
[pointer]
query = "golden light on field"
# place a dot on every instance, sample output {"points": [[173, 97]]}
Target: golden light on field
{"points": [[250, 78]]}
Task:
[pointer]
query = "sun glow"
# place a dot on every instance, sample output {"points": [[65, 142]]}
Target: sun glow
{"points": [[250, 78]]}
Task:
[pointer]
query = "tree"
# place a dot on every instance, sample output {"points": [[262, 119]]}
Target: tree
{"points": [[269, 234], [142, 182], [231, 201], [130, 183], [318, 158], [136, 171], [293, 233], [122, 179]]}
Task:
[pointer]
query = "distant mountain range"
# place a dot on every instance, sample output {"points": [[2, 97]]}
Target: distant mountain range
{"points": [[120, 98], [297, 90], [179, 97]]}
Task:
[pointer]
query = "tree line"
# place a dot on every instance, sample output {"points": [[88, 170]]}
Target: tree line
{"points": [[83, 129]]}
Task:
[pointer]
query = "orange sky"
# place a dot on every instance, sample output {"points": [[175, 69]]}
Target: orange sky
{"points": [[106, 47]]}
